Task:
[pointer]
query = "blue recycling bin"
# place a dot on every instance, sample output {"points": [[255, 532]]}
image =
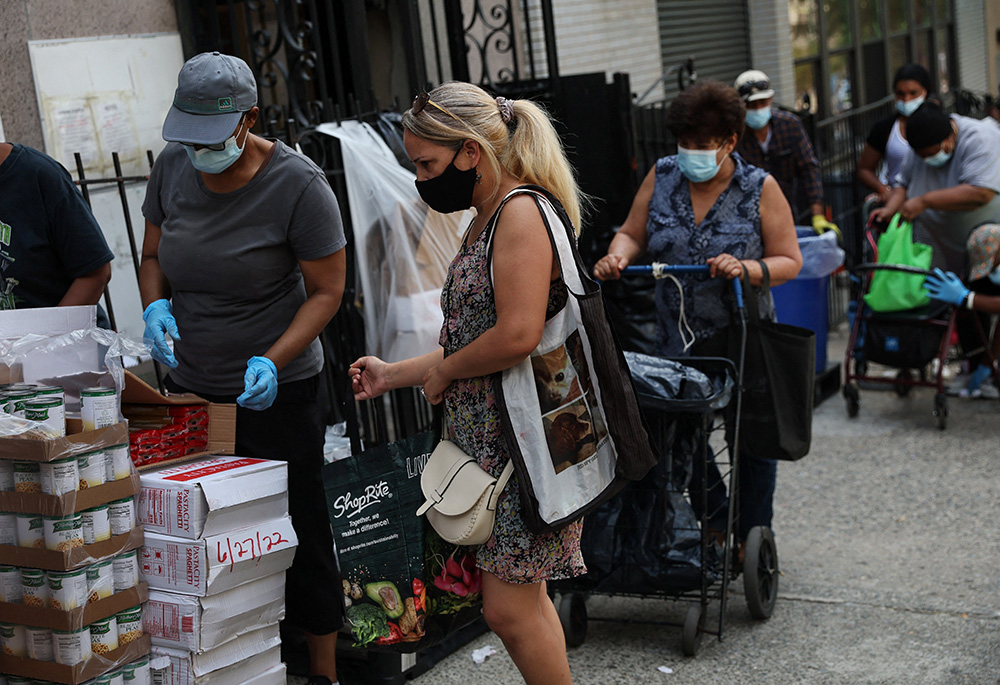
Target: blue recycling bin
{"points": [[804, 300]]}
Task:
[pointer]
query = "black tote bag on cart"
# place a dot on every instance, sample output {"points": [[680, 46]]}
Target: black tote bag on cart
{"points": [[779, 373]]}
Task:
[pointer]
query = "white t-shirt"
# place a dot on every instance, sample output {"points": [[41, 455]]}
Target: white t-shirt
{"points": [[896, 148]]}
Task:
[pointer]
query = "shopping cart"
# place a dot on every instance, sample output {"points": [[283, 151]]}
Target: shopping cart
{"points": [[906, 340], [659, 537]]}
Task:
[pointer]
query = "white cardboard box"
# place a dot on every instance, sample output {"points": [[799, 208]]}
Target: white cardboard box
{"points": [[198, 624], [210, 496], [238, 662], [220, 562], [80, 360]]}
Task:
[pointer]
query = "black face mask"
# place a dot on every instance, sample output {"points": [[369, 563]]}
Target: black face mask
{"points": [[451, 190]]}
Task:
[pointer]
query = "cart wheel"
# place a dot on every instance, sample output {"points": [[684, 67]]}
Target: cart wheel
{"points": [[852, 399], [694, 623], [941, 410], [573, 617], [760, 572], [903, 389]]}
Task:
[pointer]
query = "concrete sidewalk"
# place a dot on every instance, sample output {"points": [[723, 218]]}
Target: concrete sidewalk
{"points": [[889, 546]]}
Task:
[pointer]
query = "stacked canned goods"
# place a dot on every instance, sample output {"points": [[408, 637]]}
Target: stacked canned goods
{"points": [[70, 647], [44, 404]]}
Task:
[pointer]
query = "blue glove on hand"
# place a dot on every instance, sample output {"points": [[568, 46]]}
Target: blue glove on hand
{"points": [[981, 373], [159, 318], [946, 287], [260, 384]]}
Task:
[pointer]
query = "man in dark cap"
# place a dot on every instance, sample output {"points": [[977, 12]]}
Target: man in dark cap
{"points": [[949, 182]]}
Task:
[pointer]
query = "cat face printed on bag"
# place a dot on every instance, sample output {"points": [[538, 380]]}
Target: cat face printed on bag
{"points": [[556, 380], [574, 347], [570, 438]]}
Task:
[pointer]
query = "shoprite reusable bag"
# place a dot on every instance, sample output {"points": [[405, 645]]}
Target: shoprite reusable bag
{"points": [[894, 291], [569, 412], [406, 587]]}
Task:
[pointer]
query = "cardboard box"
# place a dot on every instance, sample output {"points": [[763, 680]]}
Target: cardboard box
{"points": [[198, 624], [79, 359], [220, 562], [61, 505], [210, 496], [44, 617], [221, 417], [70, 559], [76, 442], [234, 663], [59, 673], [274, 676]]}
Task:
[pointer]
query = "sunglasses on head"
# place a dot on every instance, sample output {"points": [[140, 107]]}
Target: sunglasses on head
{"points": [[422, 100], [751, 87], [217, 147]]}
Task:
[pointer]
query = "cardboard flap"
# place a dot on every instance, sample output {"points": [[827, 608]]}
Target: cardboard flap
{"points": [[256, 593], [138, 391], [234, 651], [246, 486]]}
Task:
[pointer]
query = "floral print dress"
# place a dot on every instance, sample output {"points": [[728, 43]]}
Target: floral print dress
{"points": [[514, 554]]}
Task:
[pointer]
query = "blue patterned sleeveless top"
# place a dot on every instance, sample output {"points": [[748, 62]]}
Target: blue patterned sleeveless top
{"points": [[732, 226]]}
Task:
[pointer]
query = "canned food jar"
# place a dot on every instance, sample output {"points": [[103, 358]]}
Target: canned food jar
{"points": [[10, 584], [126, 570], [30, 531], [8, 528], [34, 588], [138, 672], [63, 533], [67, 589], [19, 680], [39, 643], [60, 476], [116, 677], [50, 391], [117, 463], [71, 646], [98, 407], [122, 513], [16, 400], [12, 640], [27, 477], [96, 524], [129, 625], [92, 467], [100, 581], [49, 411], [6, 475], [104, 636]]}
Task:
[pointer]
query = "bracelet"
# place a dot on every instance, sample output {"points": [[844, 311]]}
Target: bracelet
{"points": [[968, 300]]}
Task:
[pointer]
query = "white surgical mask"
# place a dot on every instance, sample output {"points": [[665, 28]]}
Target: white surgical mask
{"points": [[994, 275], [758, 118], [938, 159], [216, 161], [908, 107], [698, 165]]}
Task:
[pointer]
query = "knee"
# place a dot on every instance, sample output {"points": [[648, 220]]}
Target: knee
{"points": [[502, 618]]}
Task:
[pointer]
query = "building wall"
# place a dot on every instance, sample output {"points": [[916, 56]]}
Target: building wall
{"points": [[770, 47], [603, 36], [970, 43], [25, 20]]}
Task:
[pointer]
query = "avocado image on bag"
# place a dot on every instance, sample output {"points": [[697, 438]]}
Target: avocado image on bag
{"points": [[385, 594]]}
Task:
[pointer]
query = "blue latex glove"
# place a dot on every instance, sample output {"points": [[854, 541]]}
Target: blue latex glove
{"points": [[946, 287], [160, 322], [260, 384]]}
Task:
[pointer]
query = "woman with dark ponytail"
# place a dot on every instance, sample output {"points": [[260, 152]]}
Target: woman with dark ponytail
{"points": [[887, 140], [472, 150]]}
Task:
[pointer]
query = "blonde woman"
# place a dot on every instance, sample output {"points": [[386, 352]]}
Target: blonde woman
{"points": [[471, 150]]}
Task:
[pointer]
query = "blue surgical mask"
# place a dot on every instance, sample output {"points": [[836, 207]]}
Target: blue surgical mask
{"points": [[698, 165], [938, 159], [758, 118], [908, 107], [216, 161], [994, 275]]}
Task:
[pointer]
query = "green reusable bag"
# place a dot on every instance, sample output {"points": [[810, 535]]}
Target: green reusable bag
{"points": [[894, 291]]}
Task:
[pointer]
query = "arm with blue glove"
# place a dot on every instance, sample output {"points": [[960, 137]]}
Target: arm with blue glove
{"points": [[160, 323], [947, 287]]}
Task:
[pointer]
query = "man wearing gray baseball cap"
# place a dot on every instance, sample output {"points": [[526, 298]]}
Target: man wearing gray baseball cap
{"points": [[243, 266]]}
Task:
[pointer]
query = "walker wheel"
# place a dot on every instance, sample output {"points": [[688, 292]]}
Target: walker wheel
{"points": [[760, 572], [693, 632], [573, 617], [941, 410], [853, 400]]}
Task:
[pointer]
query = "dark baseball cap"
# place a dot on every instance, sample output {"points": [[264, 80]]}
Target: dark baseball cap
{"points": [[213, 92]]}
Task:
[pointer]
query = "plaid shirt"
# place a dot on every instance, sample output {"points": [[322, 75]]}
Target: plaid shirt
{"points": [[789, 158]]}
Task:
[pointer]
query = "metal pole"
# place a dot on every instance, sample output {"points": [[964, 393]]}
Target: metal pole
{"points": [[81, 174]]}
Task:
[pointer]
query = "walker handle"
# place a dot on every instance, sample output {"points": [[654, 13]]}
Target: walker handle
{"points": [[659, 270]]}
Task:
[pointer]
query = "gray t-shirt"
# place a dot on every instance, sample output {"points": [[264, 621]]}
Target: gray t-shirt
{"points": [[231, 262], [976, 161]]}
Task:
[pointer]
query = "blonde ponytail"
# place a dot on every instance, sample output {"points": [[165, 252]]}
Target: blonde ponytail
{"points": [[527, 147]]}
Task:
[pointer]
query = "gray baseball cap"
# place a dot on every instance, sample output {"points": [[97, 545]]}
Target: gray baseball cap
{"points": [[213, 92]]}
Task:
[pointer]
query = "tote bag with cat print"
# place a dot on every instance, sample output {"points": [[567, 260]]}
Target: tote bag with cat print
{"points": [[570, 416]]}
